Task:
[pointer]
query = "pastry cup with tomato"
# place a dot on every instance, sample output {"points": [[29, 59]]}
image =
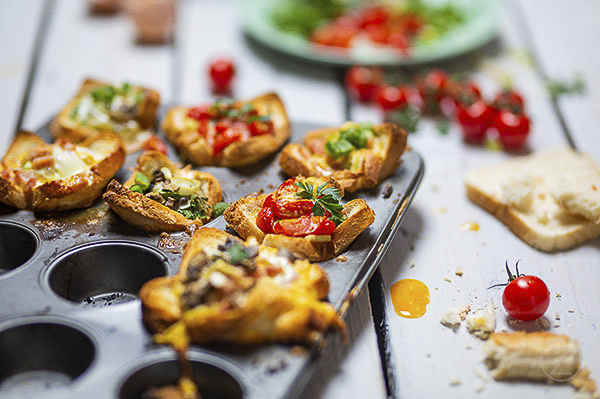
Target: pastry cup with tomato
{"points": [[98, 106], [60, 176], [228, 290], [228, 133], [303, 216], [357, 156], [159, 196]]}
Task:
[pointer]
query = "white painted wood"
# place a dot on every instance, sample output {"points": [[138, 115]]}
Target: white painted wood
{"points": [[19, 22], [78, 46], [566, 37], [429, 356], [211, 29]]}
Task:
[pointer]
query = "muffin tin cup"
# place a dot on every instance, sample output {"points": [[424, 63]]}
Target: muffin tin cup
{"points": [[63, 267]]}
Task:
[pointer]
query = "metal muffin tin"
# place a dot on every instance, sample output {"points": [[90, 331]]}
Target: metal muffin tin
{"points": [[70, 320]]}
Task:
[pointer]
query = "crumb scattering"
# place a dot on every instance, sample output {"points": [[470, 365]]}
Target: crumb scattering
{"points": [[454, 316], [341, 258], [459, 271], [482, 322], [454, 382], [447, 279]]}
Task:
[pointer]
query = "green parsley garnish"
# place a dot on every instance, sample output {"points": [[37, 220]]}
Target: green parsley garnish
{"points": [[407, 118], [557, 88], [219, 208], [326, 198], [236, 254]]}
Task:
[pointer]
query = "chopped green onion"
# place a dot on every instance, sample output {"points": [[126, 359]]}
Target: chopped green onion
{"points": [[142, 181], [219, 208]]}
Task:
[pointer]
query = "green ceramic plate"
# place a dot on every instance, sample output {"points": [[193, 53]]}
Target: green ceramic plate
{"points": [[479, 27]]}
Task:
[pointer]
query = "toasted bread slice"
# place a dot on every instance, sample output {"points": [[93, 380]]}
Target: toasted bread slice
{"points": [[363, 168], [145, 213], [142, 116], [262, 295], [242, 214], [194, 148], [56, 177], [540, 356], [551, 200]]}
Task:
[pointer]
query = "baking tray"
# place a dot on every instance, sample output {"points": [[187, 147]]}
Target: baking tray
{"points": [[70, 321]]}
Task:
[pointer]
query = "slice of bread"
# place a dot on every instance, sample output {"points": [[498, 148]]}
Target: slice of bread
{"points": [[551, 199]]}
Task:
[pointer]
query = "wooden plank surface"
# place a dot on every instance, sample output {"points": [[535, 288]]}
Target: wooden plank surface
{"points": [[19, 24], [431, 360], [566, 37]]}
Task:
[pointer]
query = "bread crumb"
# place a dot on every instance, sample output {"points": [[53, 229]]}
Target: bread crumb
{"points": [[469, 347], [556, 325], [558, 295], [454, 382], [545, 323], [482, 322], [459, 271], [341, 258], [440, 209], [469, 226], [571, 311], [388, 189], [583, 381], [298, 350], [557, 317], [412, 264], [452, 317], [447, 279]]}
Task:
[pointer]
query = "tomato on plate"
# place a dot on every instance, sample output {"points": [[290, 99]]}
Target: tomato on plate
{"points": [[287, 205], [474, 119], [304, 225], [513, 129], [373, 16], [258, 128], [362, 82], [221, 73], [154, 143], [265, 220], [390, 97]]}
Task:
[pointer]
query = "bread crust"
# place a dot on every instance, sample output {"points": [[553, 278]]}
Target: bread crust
{"points": [[64, 126], [144, 213], [372, 167], [77, 191], [538, 356], [241, 215], [269, 312], [194, 148]]}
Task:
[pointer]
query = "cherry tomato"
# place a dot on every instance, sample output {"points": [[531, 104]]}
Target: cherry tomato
{"points": [[513, 129], [265, 220], [474, 119], [304, 225], [270, 201], [225, 137], [154, 143], [510, 100], [362, 82], [258, 128], [526, 298], [373, 16], [432, 88], [221, 72], [390, 97], [287, 205], [200, 112], [399, 40], [465, 92], [412, 24], [378, 33]]}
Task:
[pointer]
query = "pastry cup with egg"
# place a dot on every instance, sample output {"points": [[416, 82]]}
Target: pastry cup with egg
{"points": [[60, 176]]}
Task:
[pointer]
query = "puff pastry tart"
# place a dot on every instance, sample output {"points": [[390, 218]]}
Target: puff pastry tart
{"points": [[228, 133], [228, 290], [356, 155], [159, 196], [60, 176], [126, 109]]}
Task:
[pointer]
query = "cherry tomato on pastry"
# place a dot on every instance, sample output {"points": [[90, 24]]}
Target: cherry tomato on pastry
{"points": [[258, 128], [287, 205], [154, 143], [265, 220], [304, 225]]}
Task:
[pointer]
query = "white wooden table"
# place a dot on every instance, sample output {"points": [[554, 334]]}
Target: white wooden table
{"points": [[48, 47]]}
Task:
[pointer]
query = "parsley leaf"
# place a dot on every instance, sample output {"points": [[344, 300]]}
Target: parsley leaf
{"points": [[325, 198], [237, 254]]}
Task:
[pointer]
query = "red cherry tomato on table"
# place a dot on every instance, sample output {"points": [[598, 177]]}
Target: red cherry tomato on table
{"points": [[474, 119], [221, 73], [155, 144], [362, 82], [390, 97], [304, 225], [510, 100], [432, 88], [526, 298], [513, 129]]}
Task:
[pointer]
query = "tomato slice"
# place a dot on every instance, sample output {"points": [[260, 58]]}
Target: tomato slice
{"points": [[200, 112], [304, 225], [287, 205], [155, 144], [265, 220], [258, 128], [224, 137]]}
